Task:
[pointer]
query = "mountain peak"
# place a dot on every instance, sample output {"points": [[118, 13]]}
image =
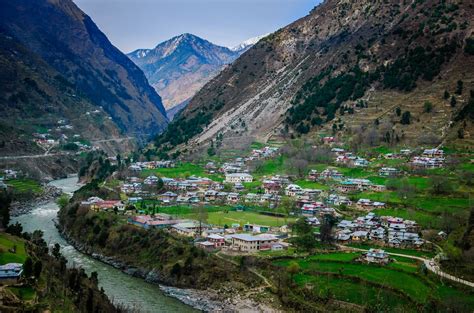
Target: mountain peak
{"points": [[247, 44]]}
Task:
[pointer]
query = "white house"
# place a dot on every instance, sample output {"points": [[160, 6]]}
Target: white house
{"points": [[293, 190], [238, 178]]}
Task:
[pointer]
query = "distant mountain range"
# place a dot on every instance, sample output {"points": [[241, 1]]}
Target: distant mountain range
{"points": [[180, 66]]}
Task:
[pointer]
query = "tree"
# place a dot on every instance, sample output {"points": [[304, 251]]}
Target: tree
{"points": [[305, 239], [298, 166], [446, 95], [459, 87], [440, 185], [428, 107], [28, 268], [5, 201], [62, 201], [453, 101], [56, 251], [406, 118], [326, 229], [398, 111], [37, 268], [293, 269], [201, 216]]}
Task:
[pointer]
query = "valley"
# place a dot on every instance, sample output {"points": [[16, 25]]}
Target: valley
{"points": [[327, 166]]}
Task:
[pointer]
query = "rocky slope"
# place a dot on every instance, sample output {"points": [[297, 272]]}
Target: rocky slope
{"points": [[346, 67], [64, 65], [179, 67]]}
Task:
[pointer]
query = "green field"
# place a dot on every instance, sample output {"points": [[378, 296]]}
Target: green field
{"points": [[7, 242], [311, 185], [345, 289], [338, 274], [385, 276], [25, 185], [183, 170], [222, 218]]}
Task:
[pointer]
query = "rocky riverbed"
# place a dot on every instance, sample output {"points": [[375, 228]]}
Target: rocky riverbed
{"points": [[49, 193]]}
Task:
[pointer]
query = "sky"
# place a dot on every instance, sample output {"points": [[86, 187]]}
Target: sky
{"points": [[134, 24]]}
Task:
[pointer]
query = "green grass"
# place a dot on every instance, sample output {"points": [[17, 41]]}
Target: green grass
{"points": [[230, 217], [25, 185], [311, 185], [182, 170], [385, 276], [25, 293], [253, 186], [345, 289], [271, 167], [7, 242], [425, 254]]}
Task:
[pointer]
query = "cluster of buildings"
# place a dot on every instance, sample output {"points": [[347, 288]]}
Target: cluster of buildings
{"points": [[358, 184], [384, 230], [348, 159], [430, 158], [139, 166]]}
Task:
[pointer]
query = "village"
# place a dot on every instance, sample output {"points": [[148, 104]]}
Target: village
{"points": [[264, 206]]}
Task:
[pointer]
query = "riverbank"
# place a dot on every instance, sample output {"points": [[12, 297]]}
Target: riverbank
{"points": [[226, 299], [50, 193]]}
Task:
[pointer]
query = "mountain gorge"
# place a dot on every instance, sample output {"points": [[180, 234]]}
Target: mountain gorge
{"points": [[180, 66], [71, 69], [348, 67]]}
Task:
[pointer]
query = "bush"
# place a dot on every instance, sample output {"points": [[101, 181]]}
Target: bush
{"points": [[427, 107], [406, 118]]}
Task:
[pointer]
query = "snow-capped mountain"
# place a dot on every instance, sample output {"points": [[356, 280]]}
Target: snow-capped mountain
{"points": [[247, 44]]}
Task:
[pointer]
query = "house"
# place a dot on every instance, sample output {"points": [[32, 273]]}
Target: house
{"points": [[360, 235], [217, 240], [251, 197], [249, 243], [11, 271], [210, 195], [360, 162], [256, 228], [206, 245], [293, 190], [347, 187], [151, 180], [158, 221], [330, 174], [367, 205], [168, 197], [433, 153], [108, 205], [313, 175], [376, 256], [10, 174], [272, 187], [238, 178], [377, 188], [389, 172], [233, 197], [189, 228]]}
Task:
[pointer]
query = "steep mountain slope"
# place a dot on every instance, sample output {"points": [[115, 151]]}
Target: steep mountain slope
{"points": [[179, 67], [347, 65], [68, 41]]}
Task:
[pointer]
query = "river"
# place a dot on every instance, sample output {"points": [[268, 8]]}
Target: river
{"points": [[119, 287]]}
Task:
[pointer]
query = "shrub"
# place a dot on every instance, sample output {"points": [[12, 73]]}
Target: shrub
{"points": [[428, 107]]}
